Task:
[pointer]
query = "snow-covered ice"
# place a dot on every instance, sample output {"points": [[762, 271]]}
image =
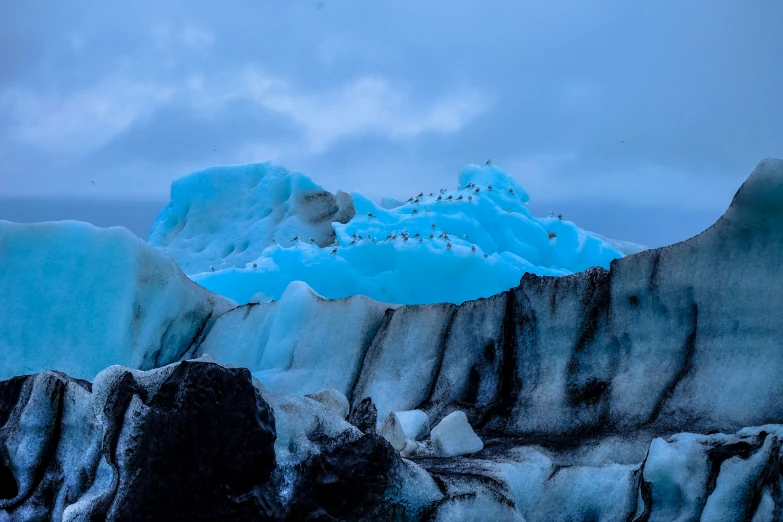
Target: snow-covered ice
{"points": [[453, 436], [248, 231]]}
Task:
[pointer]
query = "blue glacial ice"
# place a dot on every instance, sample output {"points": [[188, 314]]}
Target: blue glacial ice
{"points": [[248, 231]]}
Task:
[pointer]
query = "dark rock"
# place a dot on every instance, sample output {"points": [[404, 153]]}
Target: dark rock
{"points": [[192, 442], [350, 482], [364, 416]]}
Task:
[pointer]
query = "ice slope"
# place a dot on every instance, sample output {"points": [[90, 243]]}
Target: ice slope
{"points": [[451, 246], [77, 298], [225, 217], [685, 337]]}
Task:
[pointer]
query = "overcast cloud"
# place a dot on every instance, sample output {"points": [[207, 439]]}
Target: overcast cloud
{"points": [[601, 104]]}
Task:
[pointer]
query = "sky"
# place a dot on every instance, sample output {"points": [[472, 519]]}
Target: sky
{"points": [[635, 119]]}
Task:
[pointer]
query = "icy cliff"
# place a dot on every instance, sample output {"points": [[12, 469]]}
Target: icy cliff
{"points": [[682, 337]]}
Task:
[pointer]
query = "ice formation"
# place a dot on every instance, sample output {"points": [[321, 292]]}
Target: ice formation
{"points": [[453, 436], [649, 392], [77, 298], [247, 232]]}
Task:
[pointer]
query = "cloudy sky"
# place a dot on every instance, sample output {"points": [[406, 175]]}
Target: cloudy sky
{"points": [[638, 119]]}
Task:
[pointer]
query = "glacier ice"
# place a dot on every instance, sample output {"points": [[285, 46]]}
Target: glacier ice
{"points": [[684, 337], [603, 395], [333, 400], [453, 436], [79, 298], [248, 231]]}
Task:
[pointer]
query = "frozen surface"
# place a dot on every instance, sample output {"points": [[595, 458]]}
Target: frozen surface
{"points": [[77, 298], [246, 232], [453, 436]]}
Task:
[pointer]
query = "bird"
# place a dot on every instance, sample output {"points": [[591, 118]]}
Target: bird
{"points": [[404, 238], [560, 217], [433, 226], [439, 198], [388, 237], [470, 198], [352, 242], [489, 162], [374, 240], [449, 197], [622, 141], [420, 240], [473, 248], [445, 235], [485, 255], [431, 236], [212, 268], [432, 194], [417, 234], [333, 251], [255, 265], [93, 183], [368, 236], [296, 238], [420, 194], [489, 187], [466, 236], [459, 198], [274, 240], [415, 211], [409, 200], [369, 214], [477, 190], [416, 201], [510, 191], [448, 246]]}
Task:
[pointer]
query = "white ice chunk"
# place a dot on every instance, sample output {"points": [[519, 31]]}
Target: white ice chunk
{"points": [[453, 436], [415, 424], [392, 432], [333, 400]]}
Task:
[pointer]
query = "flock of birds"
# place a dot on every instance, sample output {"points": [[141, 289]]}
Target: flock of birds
{"points": [[405, 236]]}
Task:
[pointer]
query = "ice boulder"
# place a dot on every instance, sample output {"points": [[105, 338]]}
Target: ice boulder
{"points": [[333, 400], [453, 436], [78, 298], [247, 232], [392, 432], [415, 423]]}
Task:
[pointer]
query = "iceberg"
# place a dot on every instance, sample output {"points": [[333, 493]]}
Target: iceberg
{"points": [[247, 232]]}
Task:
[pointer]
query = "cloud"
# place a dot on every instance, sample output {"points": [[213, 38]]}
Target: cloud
{"points": [[81, 121], [84, 120]]}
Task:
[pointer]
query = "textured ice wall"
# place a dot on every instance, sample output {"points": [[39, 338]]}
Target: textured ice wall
{"points": [[683, 337]]}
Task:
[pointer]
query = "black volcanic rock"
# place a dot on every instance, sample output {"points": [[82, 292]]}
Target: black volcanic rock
{"points": [[186, 442], [364, 416]]}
